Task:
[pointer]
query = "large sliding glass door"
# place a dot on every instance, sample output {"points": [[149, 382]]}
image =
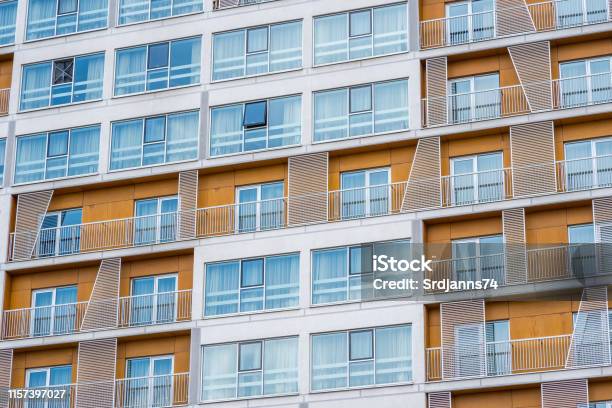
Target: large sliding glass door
{"points": [[54, 311], [156, 220], [153, 300], [148, 382]]}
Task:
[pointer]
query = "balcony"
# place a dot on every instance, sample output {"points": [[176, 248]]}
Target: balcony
{"points": [[482, 26], [159, 391], [4, 101], [132, 311], [585, 174], [508, 357], [478, 187], [364, 202], [225, 4], [513, 100]]}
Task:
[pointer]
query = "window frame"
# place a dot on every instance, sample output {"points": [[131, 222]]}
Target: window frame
{"points": [[257, 202], [240, 287], [158, 220], [209, 154], [47, 371], [474, 174], [348, 31], [149, 19], [53, 307], [587, 77], [347, 333], [25, 29], [14, 25], [46, 157], [143, 119], [2, 160], [146, 45], [367, 190], [246, 53], [349, 114]]}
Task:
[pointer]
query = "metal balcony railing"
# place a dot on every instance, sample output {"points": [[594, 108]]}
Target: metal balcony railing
{"points": [[55, 396], [365, 202], [4, 101], [158, 308], [477, 187], [482, 26], [131, 311], [562, 262], [470, 269], [224, 4], [509, 357], [585, 174], [158, 391], [583, 90]]}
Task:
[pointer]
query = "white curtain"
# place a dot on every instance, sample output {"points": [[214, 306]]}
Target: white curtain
{"points": [[282, 281], [130, 71], [331, 39], [41, 19], [222, 285], [219, 372], [393, 355], [331, 115], [226, 130], [329, 275], [390, 29], [133, 11], [186, 6], [361, 101], [88, 77], [229, 55], [30, 163], [280, 366], [285, 46], [84, 149], [285, 121], [93, 14], [126, 144], [183, 130], [391, 106], [36, 86], [2, 159], [8, 16], [329, 361], [185, 62]]}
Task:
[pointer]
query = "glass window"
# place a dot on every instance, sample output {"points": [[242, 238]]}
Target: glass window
{"points": [[345, 273], [60, 233], [50, 18], [361, 358], [588, 164], [470, 21], [585, 82], [56, 378], [474, 98], [156, 220], [148, 381], [361, 34], [581, 234], [54, 155], [252, 284], [134, 11], [62, 82], [153, 300], [499, 353], [8, 18], [157, 66], [155, 140], [365, 193], [253, 368], [257, 50], [361, 110], [478, 258], [475, 179], [54, 311], [2, 160], [256, 125]]}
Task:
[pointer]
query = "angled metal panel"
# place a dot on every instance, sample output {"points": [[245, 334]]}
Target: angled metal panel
{"points": [[512, 17], [513, 222], [423, 188], [532, 64], [565, 394], [307, 188], [103, 305], [463, 339], [6, 368], [439, 400], [31, 209], [590, 344], [188, 199], [436, 84], [602, 218], [96, 373], [533, 159]]}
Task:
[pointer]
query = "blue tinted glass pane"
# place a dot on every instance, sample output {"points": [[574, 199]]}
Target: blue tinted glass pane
{"points": [[56, 167], [2, 159], [30, 163], [361, 346], [66, 6], [155, 129], [71, 217], [130, 71], [157, 79], [255, 139], [41, 19], [361, 23], [66, 24], [58, 144], [160, 8], [8, 16], [255, 114], [257, 39], [61, 94], [252, 273], [250, 356], [185, 62], [133, 11], [158, 56], [186, 6], [93, 14], [88, 77]]}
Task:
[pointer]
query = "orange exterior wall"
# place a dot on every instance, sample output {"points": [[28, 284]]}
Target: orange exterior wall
{"points": [[220, 188], [579, 50], [580, 131], [474, 145], [21, 287], [178, 346], [398, 159], [600, 391], [550, 226], [6, 73], [180, 264], [444, 233], [520, 398], [113, 202], [41, 358], [485, 65]]}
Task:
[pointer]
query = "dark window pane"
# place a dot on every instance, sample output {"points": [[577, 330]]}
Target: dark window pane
{"points": [[252, 273], [58, 144], [62, 71], [250, 356], [67, 6], [158, 56], [154, 129], [255, 114], [361, 345]]}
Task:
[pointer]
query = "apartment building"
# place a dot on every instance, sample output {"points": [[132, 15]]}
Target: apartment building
{"points": [[190, 191]]}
